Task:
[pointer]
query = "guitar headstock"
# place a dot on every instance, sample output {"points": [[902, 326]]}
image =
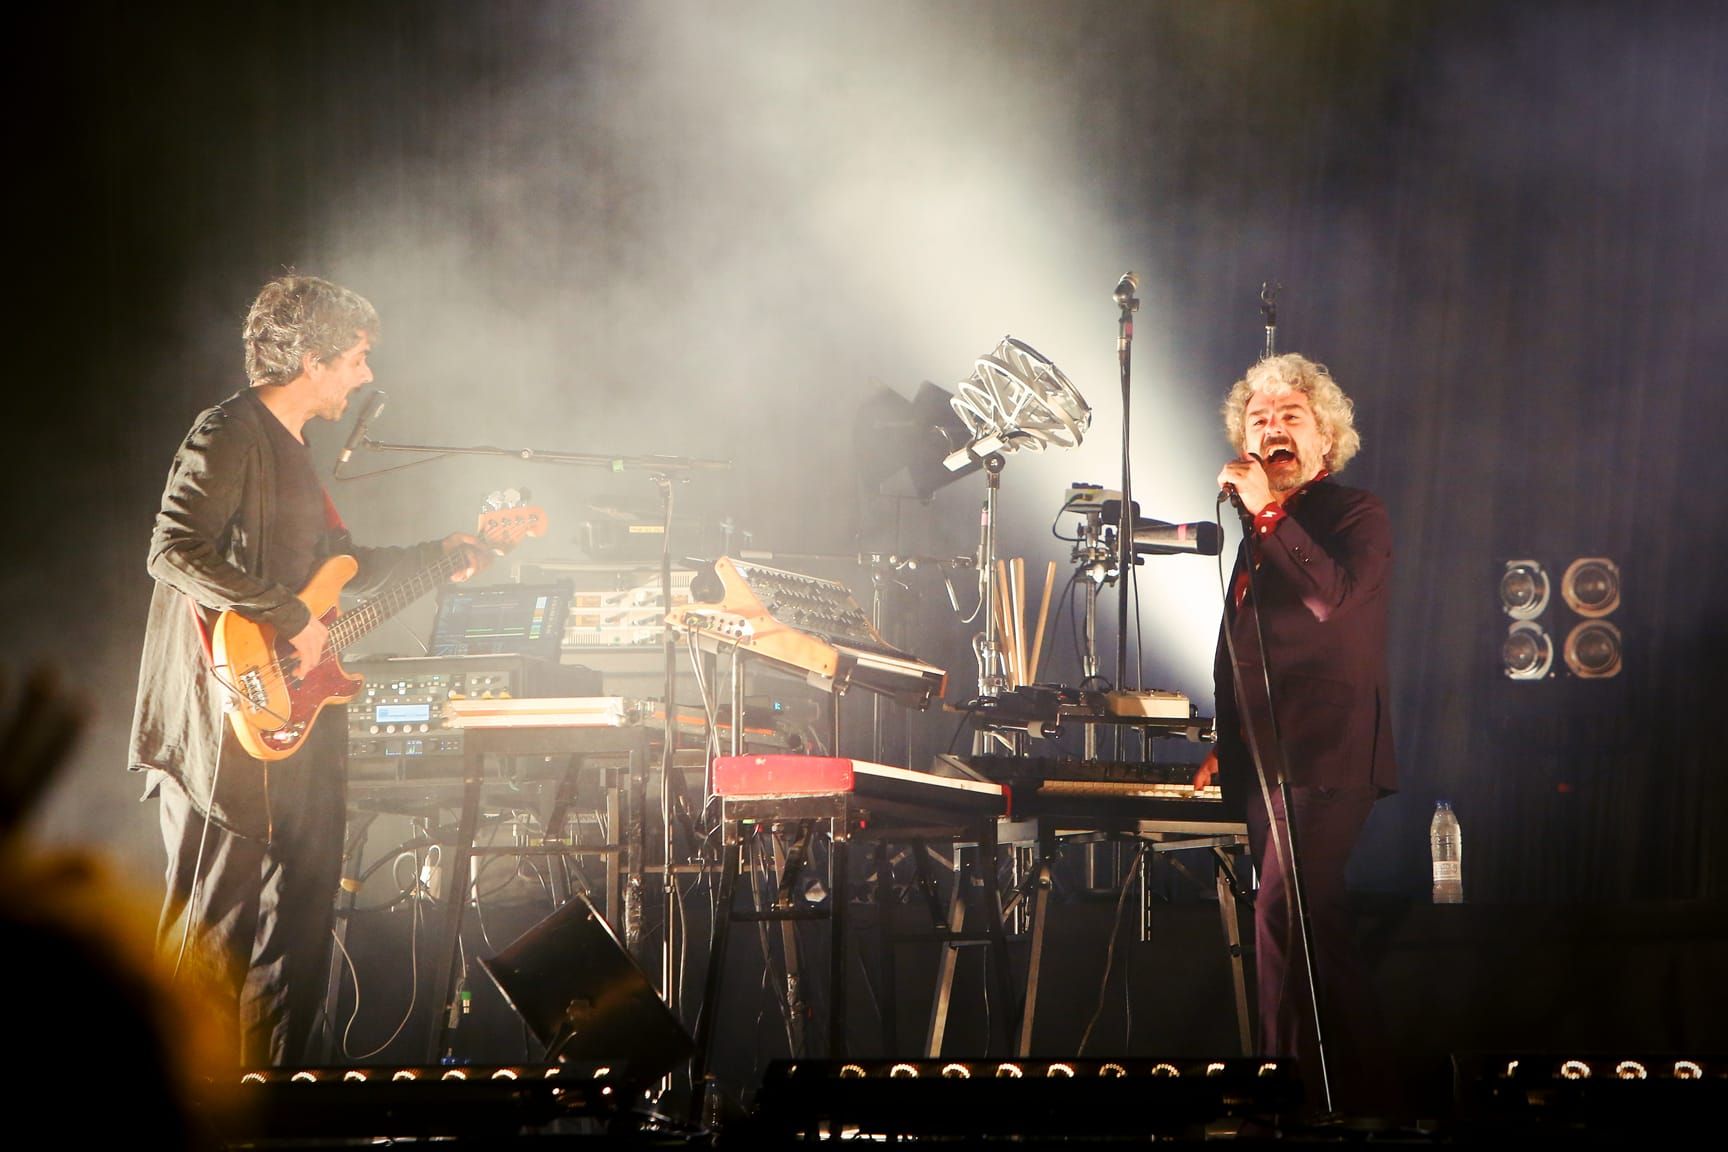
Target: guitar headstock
{"points": [[507, 517]]}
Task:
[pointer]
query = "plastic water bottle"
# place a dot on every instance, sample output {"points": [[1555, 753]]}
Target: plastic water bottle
{"points": [[1446, 847]]}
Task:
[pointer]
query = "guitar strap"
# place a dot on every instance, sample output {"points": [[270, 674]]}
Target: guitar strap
{"points": [[332, 518]]}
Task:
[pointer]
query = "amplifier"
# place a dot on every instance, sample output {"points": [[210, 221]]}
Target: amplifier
{"points": [[396, 726]]}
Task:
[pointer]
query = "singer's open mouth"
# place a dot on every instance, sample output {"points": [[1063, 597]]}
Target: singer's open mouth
{"points": [[1279, 455]]}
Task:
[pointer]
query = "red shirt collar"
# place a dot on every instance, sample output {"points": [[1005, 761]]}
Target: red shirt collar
{"points": [[1318, 476]]}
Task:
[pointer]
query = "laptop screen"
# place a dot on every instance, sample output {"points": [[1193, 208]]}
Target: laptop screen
{"points": [[519, 619]]}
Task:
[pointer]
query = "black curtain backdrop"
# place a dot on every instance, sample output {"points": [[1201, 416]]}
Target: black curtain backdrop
{"points": [[624, 228]]}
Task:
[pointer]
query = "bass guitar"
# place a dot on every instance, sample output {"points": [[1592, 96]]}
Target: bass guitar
{"points": [[272, 701]]}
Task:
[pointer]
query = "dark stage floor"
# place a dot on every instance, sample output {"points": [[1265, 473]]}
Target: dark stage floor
{"points": [[1096, 1104], [1486, 1005]]}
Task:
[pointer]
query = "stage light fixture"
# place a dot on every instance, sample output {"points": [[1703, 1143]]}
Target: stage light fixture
{"points": [[1016, 399], [1592, 650], [1077, 1099], [900, 444], [1591, 586], [1524, 589], [487, 1105], [1630, 1099], [1527, 652]]}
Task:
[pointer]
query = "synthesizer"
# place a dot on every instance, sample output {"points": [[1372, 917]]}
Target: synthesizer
{"points": [[1104, 795], [1042, 710], [399, 725], [806, 626], [793, 775]]}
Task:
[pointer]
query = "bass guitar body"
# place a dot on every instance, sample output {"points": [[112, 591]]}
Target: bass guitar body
{"points": [[272, 704]]}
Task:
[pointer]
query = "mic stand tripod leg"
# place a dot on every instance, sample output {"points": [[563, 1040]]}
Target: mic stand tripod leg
{"points": [[787, 864], [730, 862], [671, 938]]}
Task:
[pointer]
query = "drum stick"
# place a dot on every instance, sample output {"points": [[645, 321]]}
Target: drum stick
{"points": [[1043, 616], [1019, 571], [1005, 621]]}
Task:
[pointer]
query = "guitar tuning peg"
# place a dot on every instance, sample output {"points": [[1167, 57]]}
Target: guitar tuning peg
{"points": [[494, 501], [513, 498]]}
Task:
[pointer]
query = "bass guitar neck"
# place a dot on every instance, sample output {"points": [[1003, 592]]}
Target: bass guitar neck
{"points": [[273, 703]]}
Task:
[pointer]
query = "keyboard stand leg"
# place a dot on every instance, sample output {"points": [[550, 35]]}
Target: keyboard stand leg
{"points": [[885, 946], [839, 853], [974, 878], [926, 881], [1000, 962], [950, 952], [458, 883], [353, 856], [1039, 884], [560, 865], [1226, 877]]}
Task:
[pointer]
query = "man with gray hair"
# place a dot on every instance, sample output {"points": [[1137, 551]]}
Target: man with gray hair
{"points": [[254, 845], [1301, 683]]}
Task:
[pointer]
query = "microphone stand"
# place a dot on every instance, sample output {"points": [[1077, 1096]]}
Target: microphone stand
{"points": [[661, 470], [1094, 556], [1129, 304], [1296, 887], [987, 645]]}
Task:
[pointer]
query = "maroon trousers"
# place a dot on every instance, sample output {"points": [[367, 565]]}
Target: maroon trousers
{"points": [[1358, 1061]]}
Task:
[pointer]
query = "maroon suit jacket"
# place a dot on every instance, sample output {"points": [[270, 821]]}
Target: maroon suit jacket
{"points": [[1319, 596]]}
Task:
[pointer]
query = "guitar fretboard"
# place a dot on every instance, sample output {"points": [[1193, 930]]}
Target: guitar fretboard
{"points": [[360, 620]]}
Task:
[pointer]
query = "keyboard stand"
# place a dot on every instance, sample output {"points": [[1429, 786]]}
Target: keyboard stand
{"points": [[479, 743], [1034, 892], [975, 883], [741, 821]]}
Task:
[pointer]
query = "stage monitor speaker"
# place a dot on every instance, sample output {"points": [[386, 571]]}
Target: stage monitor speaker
{"points": [[585, 998], [973, 1099]]}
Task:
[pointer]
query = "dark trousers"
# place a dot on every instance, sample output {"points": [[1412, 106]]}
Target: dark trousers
{"points": [[1357, 1054], [258, 928]]}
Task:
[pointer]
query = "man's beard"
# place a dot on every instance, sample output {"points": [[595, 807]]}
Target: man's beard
{"points": [[1286, 475]]}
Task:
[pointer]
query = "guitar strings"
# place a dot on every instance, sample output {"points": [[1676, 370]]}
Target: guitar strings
{"points": [[350, 626]]}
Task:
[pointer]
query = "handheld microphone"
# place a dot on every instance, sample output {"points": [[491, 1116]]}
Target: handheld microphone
{"points": [[1235, 497], [1229, 492], [374, 406]]}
